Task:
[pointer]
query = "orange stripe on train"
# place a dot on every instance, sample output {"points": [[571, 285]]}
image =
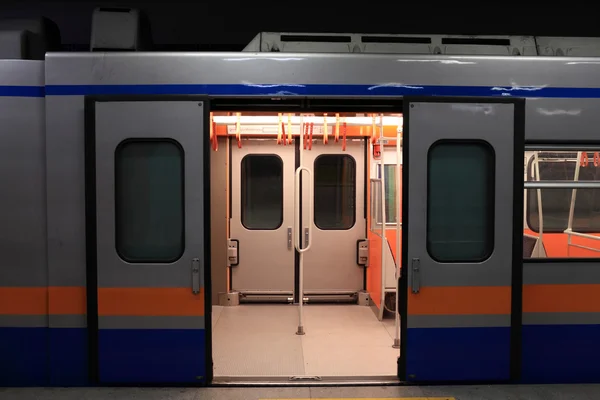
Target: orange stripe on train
{"points": [[111, 301], [150, 302], [67, 300], [23, 300], [55, 300], [561, 298], [460, 300]]}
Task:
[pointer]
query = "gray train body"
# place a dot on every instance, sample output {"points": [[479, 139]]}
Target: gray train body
{"points": [[43, 331]]}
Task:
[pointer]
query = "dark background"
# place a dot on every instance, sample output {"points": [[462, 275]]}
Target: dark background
{"points": [[230, 25]]}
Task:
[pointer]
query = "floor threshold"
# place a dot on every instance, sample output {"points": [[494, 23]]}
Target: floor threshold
{"points": [[259, 381]]}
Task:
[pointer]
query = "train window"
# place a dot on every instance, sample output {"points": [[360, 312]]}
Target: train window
{"points": [[149, 202], [334, 192], [556, 203], [460, 201], [571, 217], [390, 193], [262, 192]]}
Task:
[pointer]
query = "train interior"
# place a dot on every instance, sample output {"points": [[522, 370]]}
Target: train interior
{"points": [[297, 205], [297, 208]]}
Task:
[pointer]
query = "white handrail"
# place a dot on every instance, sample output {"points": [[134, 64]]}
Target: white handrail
{"points": [[539, 202], [298, 235], [570, 231], [562, 185], [297, 209], [572, 205]]}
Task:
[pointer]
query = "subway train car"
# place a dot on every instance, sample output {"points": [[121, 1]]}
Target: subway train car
{"points": [[424, 211]]}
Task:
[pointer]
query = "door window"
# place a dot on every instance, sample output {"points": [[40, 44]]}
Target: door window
{"points": [[334, 192], [262, 192], [149, 201], [460, 201]]}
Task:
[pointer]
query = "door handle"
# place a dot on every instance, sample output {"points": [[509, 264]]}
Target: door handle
{"points": [[306, 237], [416, 276], [195, 275], [297, 209], [289, 238]]}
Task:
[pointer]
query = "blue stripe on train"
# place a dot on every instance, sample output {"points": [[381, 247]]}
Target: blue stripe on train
{"points": [[151, 356], [561, 354], [323, 90], [458, 354], [22, 91], [68, 357], [300, 90], [23, 356]]}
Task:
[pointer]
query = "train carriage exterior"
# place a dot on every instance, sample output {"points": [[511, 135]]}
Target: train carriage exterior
{"points": [[83, 300]]}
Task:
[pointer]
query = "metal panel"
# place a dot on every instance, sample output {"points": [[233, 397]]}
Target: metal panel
{"points": [[391, 44], [563, 85], [475, 290], [23, 263], [266, 258], [330, 264], [568, 46], [381, 74], [23, 203], [163, 346]]}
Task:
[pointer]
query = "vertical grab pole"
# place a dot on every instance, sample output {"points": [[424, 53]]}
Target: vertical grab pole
{"points": [[383, 218], [536, 164], [396, 344], [299, 170], [572, 206], [297, 227]]}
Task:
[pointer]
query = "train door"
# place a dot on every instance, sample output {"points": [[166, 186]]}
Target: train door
{"points": [[338, 223], [462, 217], [147, 204], [262, 219]]}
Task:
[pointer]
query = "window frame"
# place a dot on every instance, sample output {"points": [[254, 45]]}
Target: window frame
{"points": [[242, 187], [529, 202], [376, 215], [116, 163], [491, 195], [354, 185]]}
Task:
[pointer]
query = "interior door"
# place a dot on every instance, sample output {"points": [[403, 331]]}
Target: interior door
{"points": [[147, 211], [262, 217], [338, 223], [462, 216]]}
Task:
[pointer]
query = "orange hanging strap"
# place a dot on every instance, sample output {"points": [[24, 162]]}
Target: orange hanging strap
{"points": [[305, 135], [284, 140], [344, 136], [337, 128], [325, 130], [215, 141], [310, 135], [279, 130], [212, 132], [584, 159], [596, 159], [238, 130]]}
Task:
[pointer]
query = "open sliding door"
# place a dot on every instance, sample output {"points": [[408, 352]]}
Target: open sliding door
{"points": [[462, 242], [147, 248]]}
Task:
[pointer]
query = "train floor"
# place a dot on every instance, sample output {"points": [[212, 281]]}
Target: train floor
{"points": [[340, 341]]}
